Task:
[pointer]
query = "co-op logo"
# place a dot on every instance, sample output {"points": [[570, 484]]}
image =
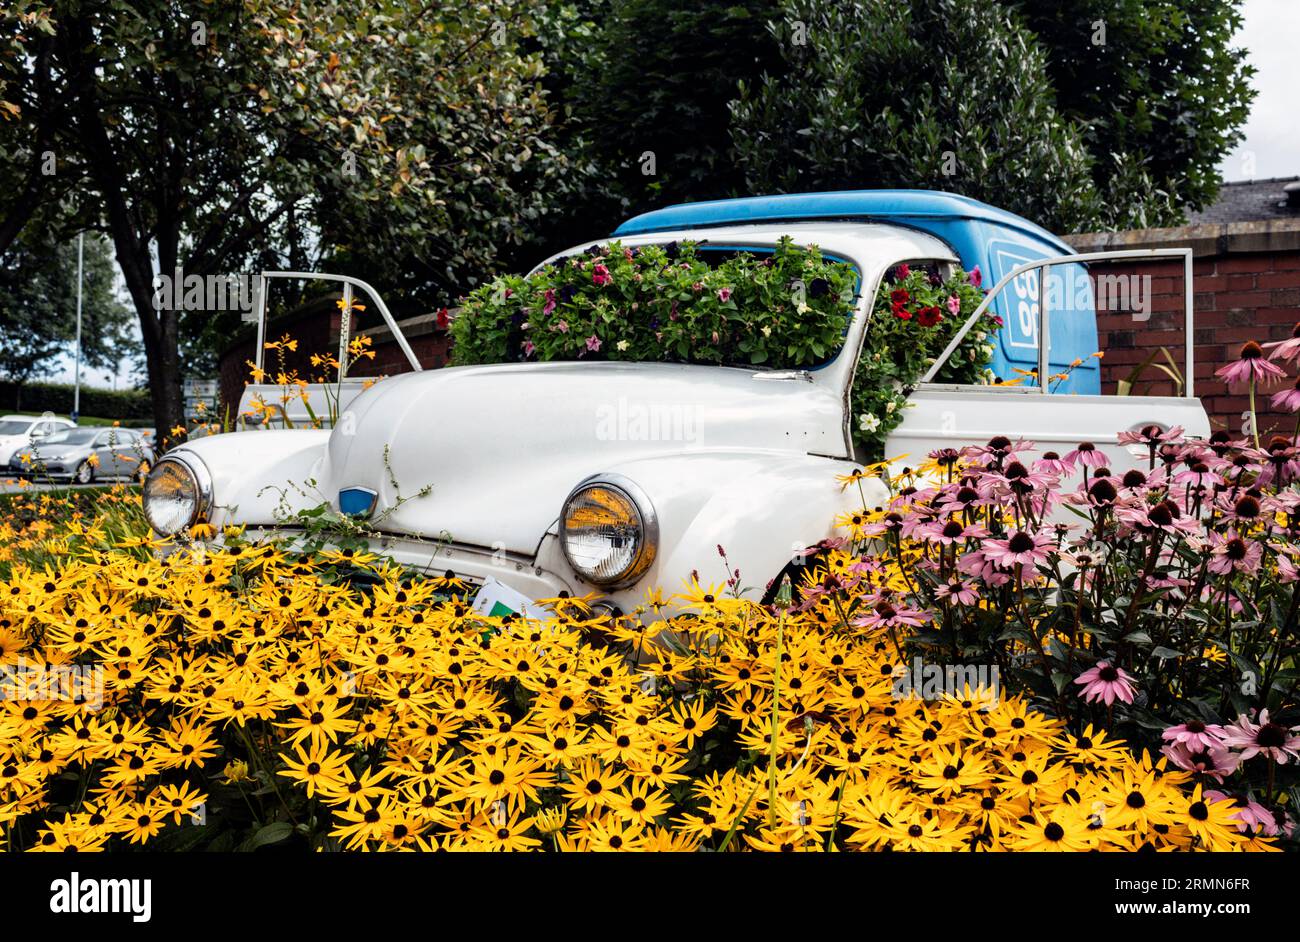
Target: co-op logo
{"points": [[231, 292]]}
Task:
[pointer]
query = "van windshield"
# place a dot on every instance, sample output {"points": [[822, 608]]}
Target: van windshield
{"points": [[765, 307], [715, 255]]}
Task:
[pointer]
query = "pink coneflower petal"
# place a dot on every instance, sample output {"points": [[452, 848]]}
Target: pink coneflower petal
{"points": [[1107, 683], [1088, 455], [1250, 367], [1288, 399], [1288, 349], [1215, 762], [1265, 738], [1196, 734]]}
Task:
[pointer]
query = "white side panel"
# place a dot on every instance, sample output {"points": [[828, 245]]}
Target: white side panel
{"points": [[325, 400], [955, 416]]}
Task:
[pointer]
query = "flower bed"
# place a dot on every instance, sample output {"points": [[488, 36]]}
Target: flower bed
{"points": [[249, 697], [1168, 614]]}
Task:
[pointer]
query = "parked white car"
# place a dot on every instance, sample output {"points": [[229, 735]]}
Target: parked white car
{"points": [[617, 477], [22, 431]]}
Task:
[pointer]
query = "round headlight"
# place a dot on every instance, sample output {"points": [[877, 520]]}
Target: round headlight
{"points": [[174, 496], [608, 531]]}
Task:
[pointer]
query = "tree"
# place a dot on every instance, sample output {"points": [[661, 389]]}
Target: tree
{"points": [[38, 303], [1096, 113], [942, 94], [644, 88], [199, 135], [1158, 91], [28, 181]]}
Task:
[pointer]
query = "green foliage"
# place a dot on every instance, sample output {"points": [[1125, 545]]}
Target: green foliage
{"points": [[644, 87], [130, 406], [1089, 114], [1158, 92], [916, 314], [945, 94], [438, 109], [38, 303], [657, 303]]}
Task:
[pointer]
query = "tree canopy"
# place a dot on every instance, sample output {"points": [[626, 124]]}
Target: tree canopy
{"points": [[38, 301], [1096, 114], [209, 136]]}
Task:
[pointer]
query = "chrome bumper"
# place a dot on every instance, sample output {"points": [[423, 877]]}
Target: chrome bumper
{"points": [[473, 564]]}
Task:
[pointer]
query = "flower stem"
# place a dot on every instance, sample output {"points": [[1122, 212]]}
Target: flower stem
{"points": [[776, 720], [1254, 422]]}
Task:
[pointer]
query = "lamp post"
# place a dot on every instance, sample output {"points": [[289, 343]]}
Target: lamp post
{"points": [[76, 389]]}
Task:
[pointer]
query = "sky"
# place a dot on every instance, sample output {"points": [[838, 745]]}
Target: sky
{"points": [[1271, 147], [1271, 35]]}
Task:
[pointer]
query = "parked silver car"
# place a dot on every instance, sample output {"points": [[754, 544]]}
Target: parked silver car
{"points": [[85, 454], [22, 431]]}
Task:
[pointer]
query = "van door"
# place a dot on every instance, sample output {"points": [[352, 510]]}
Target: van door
{"points": [[954, 416]]}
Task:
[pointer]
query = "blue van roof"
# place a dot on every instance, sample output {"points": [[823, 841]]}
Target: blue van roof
{"points": [[896, 205]]}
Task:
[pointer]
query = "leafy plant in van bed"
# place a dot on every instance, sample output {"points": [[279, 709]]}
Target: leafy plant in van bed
{"points": [[667, 303]]}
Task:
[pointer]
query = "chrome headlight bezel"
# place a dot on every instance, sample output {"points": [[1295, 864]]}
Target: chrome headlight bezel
{"points": [[200, 482], [647, 524]]}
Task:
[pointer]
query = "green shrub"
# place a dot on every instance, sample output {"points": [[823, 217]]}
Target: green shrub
{"points": [[123, 405]]}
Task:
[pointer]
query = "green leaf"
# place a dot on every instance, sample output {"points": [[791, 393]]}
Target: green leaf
{"points": [[272, 833]]}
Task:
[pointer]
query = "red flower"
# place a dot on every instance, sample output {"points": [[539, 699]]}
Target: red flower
{"points": [[929, 316], [899, 296], [444, 318], [902, 313]]}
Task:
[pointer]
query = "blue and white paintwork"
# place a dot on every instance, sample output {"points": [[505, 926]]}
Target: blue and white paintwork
{"points": [[994, 239]]}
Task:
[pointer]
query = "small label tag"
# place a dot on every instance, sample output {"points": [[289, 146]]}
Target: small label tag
{"points": [[495, 599]]}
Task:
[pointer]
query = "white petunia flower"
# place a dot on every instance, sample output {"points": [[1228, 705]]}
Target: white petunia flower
{"points": [[868, 422]]}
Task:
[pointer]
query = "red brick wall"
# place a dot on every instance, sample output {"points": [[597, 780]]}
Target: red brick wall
{"points": [[315, 326], [1240, 297], [431, 349]]}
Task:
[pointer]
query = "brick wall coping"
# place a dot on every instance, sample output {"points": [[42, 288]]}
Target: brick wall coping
{"points": [[410, 327], [1266, 235]]}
